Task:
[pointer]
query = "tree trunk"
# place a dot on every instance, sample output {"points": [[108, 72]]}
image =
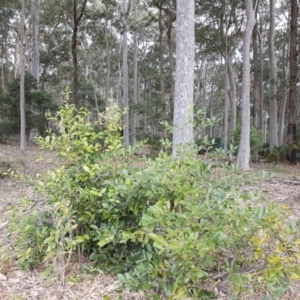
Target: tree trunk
{"points": [[22, 81], [243, 157], [273, 130], [292, 121], [256, 77], [108, 57], [125, 75], [135, 77], [184, 78], [35, 19], [232, 94], [76, 21], [283, 100], [261, 85]]}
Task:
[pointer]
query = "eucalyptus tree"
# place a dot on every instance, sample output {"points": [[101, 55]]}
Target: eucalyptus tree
{"points": [[273, 130], [22, 79], [243, 157], [78, 11], [184, 78], [292, 120]]}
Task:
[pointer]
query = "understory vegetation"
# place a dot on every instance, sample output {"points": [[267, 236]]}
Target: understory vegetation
{"points": [[169, 227]]}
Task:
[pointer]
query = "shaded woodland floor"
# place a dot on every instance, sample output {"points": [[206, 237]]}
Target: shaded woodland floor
{"points": [[283, 187]]}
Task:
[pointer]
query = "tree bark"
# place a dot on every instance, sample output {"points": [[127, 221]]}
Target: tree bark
{"points": [[184, 78], [243, 157], [292, 121], [22, 81], [125, 75], [35, 19], [135, 77], [76, 21], [232, 94], [273, 130], [256, 77]]}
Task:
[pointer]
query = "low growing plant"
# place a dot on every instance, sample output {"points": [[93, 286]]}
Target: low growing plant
{"points": [[167, 226]]}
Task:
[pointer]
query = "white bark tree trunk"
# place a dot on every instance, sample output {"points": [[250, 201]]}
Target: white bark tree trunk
{"points": [[35, 19], [22, 81], [184, 78], [243, 157], [125, 75], [135, 76], [273, 130], [232, 94]]}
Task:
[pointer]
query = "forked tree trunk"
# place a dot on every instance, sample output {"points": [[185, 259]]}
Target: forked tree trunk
{"points": [[243, 157], [292, 121], [184, 78]]}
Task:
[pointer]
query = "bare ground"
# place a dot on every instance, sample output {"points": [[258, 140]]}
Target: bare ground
{"points": [[15, 284]]}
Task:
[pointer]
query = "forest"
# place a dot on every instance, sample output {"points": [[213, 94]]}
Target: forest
{"points": [[152, 145]]}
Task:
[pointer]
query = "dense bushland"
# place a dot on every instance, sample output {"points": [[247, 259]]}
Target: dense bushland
{"points": [[166, 226]]}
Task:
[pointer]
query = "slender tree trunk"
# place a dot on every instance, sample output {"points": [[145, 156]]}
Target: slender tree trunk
{"points": [[226, 100], [243, 157], [273, 131], [261, 85], [76, 21], [232, 94], [256, 78], [135, 77], [184, 78], [2, 71], [35, 17], [292, 121], [283, 100], [17, 56], [22, 81], [161, 62], [108, 57], [125, 74]]}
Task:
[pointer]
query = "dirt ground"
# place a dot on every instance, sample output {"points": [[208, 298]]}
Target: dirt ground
{"points": [[283, 187]]}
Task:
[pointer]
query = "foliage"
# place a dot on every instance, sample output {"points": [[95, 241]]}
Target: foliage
{"points": [[281, 153], [5, 168], [37, 104], [167, 226], [256, 145]]}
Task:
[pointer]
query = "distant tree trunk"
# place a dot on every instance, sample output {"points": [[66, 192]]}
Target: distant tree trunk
{"points": [[161, 61], [261, 85], [283, 100], [226, 100], [273, 131], [256, 77], [108, 57], [125, 73], [184, 78], [243, 157], [76, 21], [22, 81], [292, 120], [232, 94], [35, 19], [135, 77], [17, 56]]}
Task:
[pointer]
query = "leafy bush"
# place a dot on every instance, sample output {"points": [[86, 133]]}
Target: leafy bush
{"points": [[37, 104], [282, 153], [5, 168], [167, 226]]}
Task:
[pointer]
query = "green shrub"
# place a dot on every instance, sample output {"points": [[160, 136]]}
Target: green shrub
{"points": [[5, 168], [167, 226], [281, 153]]}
